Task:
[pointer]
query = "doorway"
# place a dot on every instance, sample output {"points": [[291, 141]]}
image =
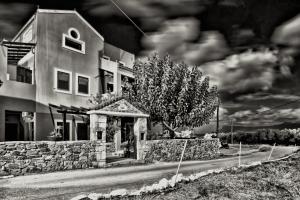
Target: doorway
{"points": [[128, 139], [14, 129]]}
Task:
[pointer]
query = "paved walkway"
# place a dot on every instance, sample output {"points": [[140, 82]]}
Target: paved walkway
{"points": [[134, 177]]}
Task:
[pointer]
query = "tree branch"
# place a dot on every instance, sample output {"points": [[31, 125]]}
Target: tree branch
{"points": [[169, 127]]}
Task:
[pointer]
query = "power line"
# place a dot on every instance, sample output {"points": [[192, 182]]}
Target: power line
{"points": [[116, 5], [278, 106]]}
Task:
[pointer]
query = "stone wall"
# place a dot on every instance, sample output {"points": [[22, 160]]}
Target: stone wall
{"points": [[19, 158], [170, 150]]}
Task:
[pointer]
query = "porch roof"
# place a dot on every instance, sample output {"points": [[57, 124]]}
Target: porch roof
{"points": [[120, 107], [17, 50], [69, 110]]}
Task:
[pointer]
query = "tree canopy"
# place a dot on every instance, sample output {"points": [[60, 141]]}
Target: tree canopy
{"points": [[172, 93]]}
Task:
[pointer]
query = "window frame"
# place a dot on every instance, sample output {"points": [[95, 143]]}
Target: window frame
{"points": [[77, 40], [76, 133], [77, 85], [56, 70], [112, 75], [70, 127]]}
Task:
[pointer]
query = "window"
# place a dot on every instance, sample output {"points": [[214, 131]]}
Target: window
{"points": [[109, 78], [24, 75], [73, 44], [74, 33], [82, 85], [82, 131], [59, 125], [63, 81], [72, 41]]}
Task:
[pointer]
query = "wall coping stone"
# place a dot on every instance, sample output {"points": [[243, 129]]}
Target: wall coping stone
{"points": [[51, 142]]}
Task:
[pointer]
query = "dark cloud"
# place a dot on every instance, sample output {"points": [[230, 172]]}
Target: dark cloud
{"points": [[265, 116], [11, 17], [179, 38], [242, 73], [288, 36], [267, 96], [146, 8]]}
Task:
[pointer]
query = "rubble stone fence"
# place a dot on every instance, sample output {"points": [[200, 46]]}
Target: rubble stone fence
{"points": [[170, 150], [22, 157]]}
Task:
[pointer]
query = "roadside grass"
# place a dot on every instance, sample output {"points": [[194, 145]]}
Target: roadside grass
{"points": [[273, 180]]}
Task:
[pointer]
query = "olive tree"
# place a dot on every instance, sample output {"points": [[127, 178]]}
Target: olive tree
{"points": [[174, 94]]}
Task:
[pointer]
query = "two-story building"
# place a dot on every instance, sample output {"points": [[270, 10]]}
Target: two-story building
{"points": [[50, 70]]}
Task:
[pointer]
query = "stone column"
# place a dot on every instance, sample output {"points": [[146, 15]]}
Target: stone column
{"points": [[117, 136], [140, 130], [98, 124], [100, 151]]}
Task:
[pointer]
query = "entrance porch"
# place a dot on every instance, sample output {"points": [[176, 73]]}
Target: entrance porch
{"points": [[121, 126]]}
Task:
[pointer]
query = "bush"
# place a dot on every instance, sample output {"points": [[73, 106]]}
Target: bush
{"points": [[264, 136], [264, 148]]}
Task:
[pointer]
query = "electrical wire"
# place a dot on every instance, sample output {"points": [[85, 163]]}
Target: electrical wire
{"points": [[116, 5]]}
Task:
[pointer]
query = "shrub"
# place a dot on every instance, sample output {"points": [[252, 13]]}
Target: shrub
{"points": [[264, 148], [264, 136]]}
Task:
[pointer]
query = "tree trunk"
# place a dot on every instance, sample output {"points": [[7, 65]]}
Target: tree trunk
{"points": [[171, 130]]}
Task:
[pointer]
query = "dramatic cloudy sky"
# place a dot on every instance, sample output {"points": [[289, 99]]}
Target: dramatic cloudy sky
{"points": [[210, 34]]}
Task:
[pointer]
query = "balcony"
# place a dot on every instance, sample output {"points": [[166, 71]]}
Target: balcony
{"points": [[18, 71], [20, 61]]}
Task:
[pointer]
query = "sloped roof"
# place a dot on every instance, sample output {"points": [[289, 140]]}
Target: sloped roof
{"points": [[60, 12], [72, 12], [119, 106]]}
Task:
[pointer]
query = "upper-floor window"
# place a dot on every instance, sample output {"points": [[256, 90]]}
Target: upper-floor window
{"points": [[72, 41], [24, 75], [82, 85], [63, 81], [109, 81]]}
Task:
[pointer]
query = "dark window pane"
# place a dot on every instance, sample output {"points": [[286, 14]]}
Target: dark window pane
{"points": [[82, 131], [24, 75], [83, 85], [66, 136], [63, 80], [110, 87], [74, 34], [108, 79], [73, 44]]}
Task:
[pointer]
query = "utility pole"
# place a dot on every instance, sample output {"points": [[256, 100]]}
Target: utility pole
{"points": [[218, 107], [231, 131]]}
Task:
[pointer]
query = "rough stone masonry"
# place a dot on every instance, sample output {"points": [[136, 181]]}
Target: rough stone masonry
{"points": [[19, 158]]}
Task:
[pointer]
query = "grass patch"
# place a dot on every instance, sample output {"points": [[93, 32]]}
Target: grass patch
{"points": [[276, 180]]}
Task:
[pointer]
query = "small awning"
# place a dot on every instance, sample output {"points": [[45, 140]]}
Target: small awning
{"points": [[17, 50]]}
